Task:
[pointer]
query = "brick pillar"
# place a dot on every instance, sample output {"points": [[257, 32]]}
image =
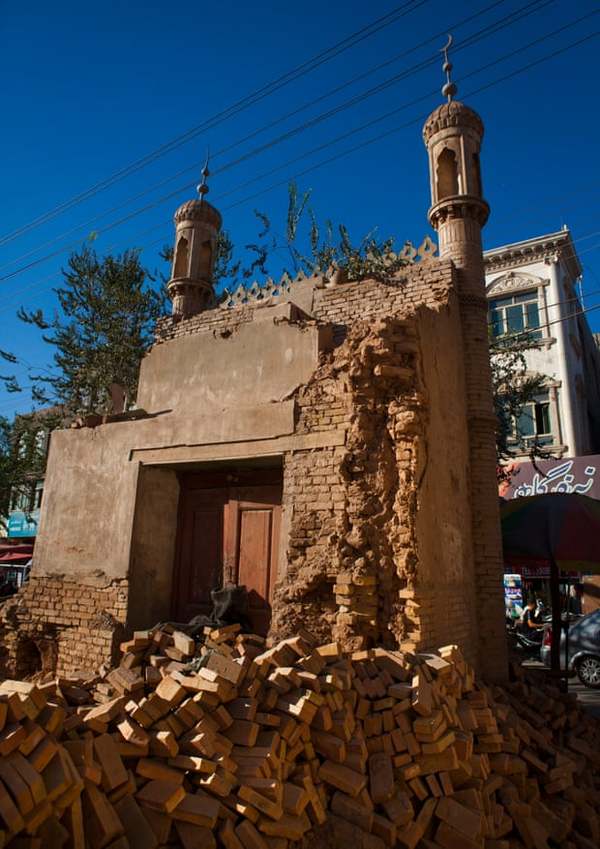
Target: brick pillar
{"points": [[460, 240], [453, 135]]}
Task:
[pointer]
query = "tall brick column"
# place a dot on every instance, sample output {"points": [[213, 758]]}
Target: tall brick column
{"points": [[453, 135]]}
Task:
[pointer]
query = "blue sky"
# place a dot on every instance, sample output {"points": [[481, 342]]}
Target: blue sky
{"points": [[90, 88]]}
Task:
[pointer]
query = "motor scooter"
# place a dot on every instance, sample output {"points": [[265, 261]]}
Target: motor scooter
{"points": [[529, 641]]}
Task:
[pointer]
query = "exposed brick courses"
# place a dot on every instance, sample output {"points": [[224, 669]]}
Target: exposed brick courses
{"points": [[71, 625]]}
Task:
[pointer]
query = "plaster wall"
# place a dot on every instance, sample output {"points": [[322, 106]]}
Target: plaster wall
{"points": [[261, 363], [445, 585], [89, 500], [153, 546], [223, 390]]}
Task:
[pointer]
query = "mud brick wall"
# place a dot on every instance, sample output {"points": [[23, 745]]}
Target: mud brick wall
{"points": [[212, 320], [426, 283], [352, 517], [377, 526], [379, 529], [58, 625]]}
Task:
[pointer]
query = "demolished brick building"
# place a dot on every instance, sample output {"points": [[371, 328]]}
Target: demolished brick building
{"points": [[328, 444]]}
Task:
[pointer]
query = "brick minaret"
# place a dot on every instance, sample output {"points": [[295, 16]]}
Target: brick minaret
{"points": [[453, 134], [197, 226]]}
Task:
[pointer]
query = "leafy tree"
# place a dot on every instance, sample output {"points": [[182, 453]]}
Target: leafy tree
{"points": [[326, 248], [513, 386], [105, 326], [23, 445], [9, 473]]}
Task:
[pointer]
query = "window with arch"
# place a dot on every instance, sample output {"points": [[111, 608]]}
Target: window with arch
{"points": [[477, 175], [517, 313], [206, 256], [181, 258], [447, 174]]}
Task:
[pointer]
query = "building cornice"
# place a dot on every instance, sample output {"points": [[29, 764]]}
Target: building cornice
{"points": [[557, 245]]}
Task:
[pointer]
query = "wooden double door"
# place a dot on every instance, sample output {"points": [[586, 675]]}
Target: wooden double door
{"points": [[228, 533]]}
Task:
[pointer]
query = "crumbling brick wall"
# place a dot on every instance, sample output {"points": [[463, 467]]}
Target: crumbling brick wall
{"points": [[58, 625], [352, 541], [377, 526]]}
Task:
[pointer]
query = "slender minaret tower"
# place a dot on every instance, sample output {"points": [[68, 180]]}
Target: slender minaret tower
{"points": [[453, 134], [197, 226]]}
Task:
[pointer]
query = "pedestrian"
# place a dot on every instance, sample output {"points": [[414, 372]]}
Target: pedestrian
{"points": [[530, 620]]}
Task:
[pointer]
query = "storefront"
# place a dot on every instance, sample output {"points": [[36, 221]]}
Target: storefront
{"points": [[14, 566], [579, 475]]}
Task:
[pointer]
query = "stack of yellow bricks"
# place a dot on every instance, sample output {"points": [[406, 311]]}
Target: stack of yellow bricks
{"points": [[262, 748]]}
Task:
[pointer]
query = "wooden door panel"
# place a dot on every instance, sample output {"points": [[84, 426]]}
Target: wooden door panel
{"points": [[200, 552], [254, 563], [255, 544], [204, 573]]}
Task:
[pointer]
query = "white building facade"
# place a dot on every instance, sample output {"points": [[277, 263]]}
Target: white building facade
{"points": [[533, 287]]}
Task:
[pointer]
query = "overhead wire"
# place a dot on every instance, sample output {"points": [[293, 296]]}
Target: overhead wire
{"points": [[275, 85], [513, 337], [490, 29], [484, 87], [286, 116], [396, 129], [422, 117]]}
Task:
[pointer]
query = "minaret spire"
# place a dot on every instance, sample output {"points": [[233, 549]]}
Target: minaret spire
{"points": [[202, 187], [197, 225], [449, 89]]}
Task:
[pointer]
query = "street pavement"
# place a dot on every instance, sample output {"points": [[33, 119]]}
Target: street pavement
{"points": [[588, 698]]}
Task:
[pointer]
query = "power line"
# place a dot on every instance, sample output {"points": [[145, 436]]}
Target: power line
{"points": [[275, 85], [410, 123], [396, 129], [527, 333], [546, 306], [264, 128], [309, 124], [512, 337], [490, 29]]}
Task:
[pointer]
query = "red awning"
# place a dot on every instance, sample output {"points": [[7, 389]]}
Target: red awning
{"points": [[13, 557], [15, 553]]}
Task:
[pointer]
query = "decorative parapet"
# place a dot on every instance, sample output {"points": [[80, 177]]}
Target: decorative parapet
{"points": [[527, 252], [334, 276]]}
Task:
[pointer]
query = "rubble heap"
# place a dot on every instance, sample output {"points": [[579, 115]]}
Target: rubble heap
{"points": [[226, 743]]}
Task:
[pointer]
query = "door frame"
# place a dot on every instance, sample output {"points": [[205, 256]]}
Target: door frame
{"points": [[230, 477]]}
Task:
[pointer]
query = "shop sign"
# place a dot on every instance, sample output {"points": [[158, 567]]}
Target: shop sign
{"points": [[23, 524], [580, 475]]}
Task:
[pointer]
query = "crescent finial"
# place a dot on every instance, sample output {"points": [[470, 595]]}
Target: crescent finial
{"points": [[447, 46], [449, 89], [203, 187]]}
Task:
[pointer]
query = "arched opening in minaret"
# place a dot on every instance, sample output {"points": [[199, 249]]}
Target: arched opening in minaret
{"points": [[447, 174], [181, 258], [206, 257], [477, 175]]}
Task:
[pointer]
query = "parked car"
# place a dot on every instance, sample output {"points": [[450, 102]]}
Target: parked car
{"points": [[584, 648]]}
